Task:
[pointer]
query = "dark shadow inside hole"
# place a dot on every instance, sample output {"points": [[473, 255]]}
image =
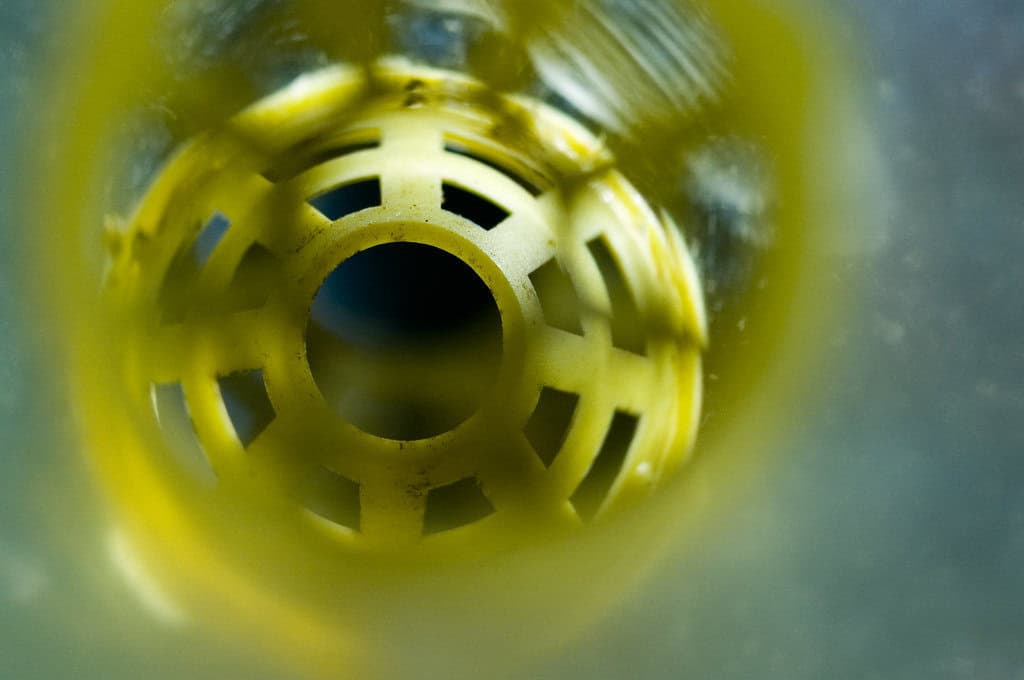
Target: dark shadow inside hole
{"points": [[628, 332], [404, 340], [300, 160], [549, 425], [333, 497], [348, 198], [397, 294], [172, 414], [606, 466], [461, 150], [176, 296], [557, 297], [477, 209], [256, 276], [246, 401], [455, 505]]}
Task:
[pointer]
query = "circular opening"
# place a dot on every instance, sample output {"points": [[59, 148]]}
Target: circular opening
{"points": [[403, 340]]}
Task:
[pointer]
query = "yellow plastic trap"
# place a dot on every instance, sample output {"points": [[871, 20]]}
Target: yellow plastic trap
{"points": [[566, 381]]}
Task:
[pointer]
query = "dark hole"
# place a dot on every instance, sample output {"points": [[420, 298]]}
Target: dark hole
{"points": [[557, 297], [348, 199], [461, 150], [333, 497], [404, 340], [397, 293], [414, 100], [474, 208], [176, 296], [256, 276], [606, 467], [172, 413], [298, 162], [548, 427], [248, 406], [455, 505], [627, 330]]}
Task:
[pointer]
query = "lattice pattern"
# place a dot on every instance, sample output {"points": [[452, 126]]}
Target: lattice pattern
{"points": [[598, 389]]}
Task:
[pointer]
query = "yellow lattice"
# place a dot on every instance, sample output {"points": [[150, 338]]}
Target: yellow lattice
{"points": [[596, 391]]}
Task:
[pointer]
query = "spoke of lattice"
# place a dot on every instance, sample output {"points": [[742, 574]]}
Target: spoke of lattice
{"points": [[212, 426], [408, 169], [404, 189], [290, 223], [632, 380], [585, 437], [511, 475], [391, 510], [211, 346], [519, 245], [559, 357]]}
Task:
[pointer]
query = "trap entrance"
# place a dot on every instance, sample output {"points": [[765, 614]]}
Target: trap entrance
{"points": [[403, 340]]}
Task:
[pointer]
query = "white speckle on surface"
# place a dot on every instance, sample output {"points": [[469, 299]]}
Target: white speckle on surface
{"points": [[886, 90], [644, 470], [22, 579], [891, 332]]}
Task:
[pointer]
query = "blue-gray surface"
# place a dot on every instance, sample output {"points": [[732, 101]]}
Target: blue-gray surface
{"points": [[21, 33], [910, 563]]}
